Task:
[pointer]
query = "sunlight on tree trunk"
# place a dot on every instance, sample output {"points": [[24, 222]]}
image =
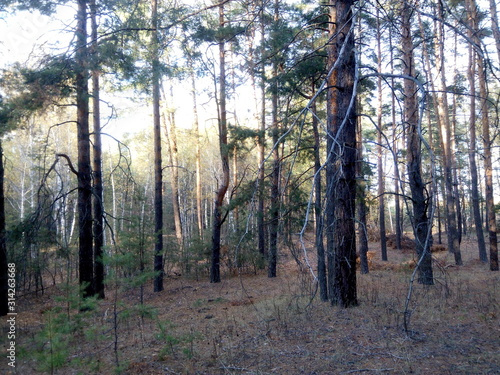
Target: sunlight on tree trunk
{"points": [[487, 144], [446, 144], [414, 157], [341, 166]]}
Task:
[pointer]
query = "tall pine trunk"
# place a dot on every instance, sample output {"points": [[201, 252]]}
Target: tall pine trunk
{"points": [[218, 218], [446, 144], [86, 265], [341, 165], [414, 154], [4, 287], [361, 204], [380, 155], [495, 26], [275, 201], [457, 192], [158, 196], [471, 74], [318, 212], [262, 146], [97, 146], [171, 133], [395, 147], [261, 227], [488, 166], [487, 145], [196, 125]]}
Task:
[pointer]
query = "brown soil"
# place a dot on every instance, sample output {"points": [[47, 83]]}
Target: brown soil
{"points": [[250, 324]]}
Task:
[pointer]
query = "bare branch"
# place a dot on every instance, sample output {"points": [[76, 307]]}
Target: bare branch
{"points": [[70, 164]]}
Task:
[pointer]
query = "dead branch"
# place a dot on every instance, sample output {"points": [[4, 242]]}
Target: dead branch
{"points": [[70, 164]]}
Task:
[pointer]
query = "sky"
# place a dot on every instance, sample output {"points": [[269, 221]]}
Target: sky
{"points": [[26, 35]]}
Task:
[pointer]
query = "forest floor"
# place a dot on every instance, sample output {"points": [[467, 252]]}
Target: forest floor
{"points": [[250, 324]]}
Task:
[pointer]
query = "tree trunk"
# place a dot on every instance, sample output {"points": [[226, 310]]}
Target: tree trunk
{"points": [[86, 266], [446, 144], [318, 212], [397, 177], [341, 165], [158, 199], [471, 73], [261, 227], [414, 163], [171, 133], [487, 144], [458, 194], [262, 145], [488, 167], [275, 204], [4, 274], [236, 210], [97, 145], [380, 156], [275, 201], [218, 219], [495, 26], [199, 208], [361, 204]]}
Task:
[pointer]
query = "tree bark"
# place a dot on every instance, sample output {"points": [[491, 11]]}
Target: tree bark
{"points": [[261, 228], [446, 144], [341, 165], [97, 146], [458, 194], [196, 125], [158, 197], [275, 201], [218, 219], [471, 73], [380, 158], [361, 204], [171, 133], [86, 265], [487, 145], [318, 212], [397, 176], [495, 26], [4, 277], [488, 167], [414, 158]]}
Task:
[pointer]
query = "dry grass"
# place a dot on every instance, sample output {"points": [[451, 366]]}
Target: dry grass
{"points": [[254, 325]]}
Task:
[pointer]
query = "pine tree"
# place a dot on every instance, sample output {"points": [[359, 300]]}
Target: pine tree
{"points": [[341, 165]]}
